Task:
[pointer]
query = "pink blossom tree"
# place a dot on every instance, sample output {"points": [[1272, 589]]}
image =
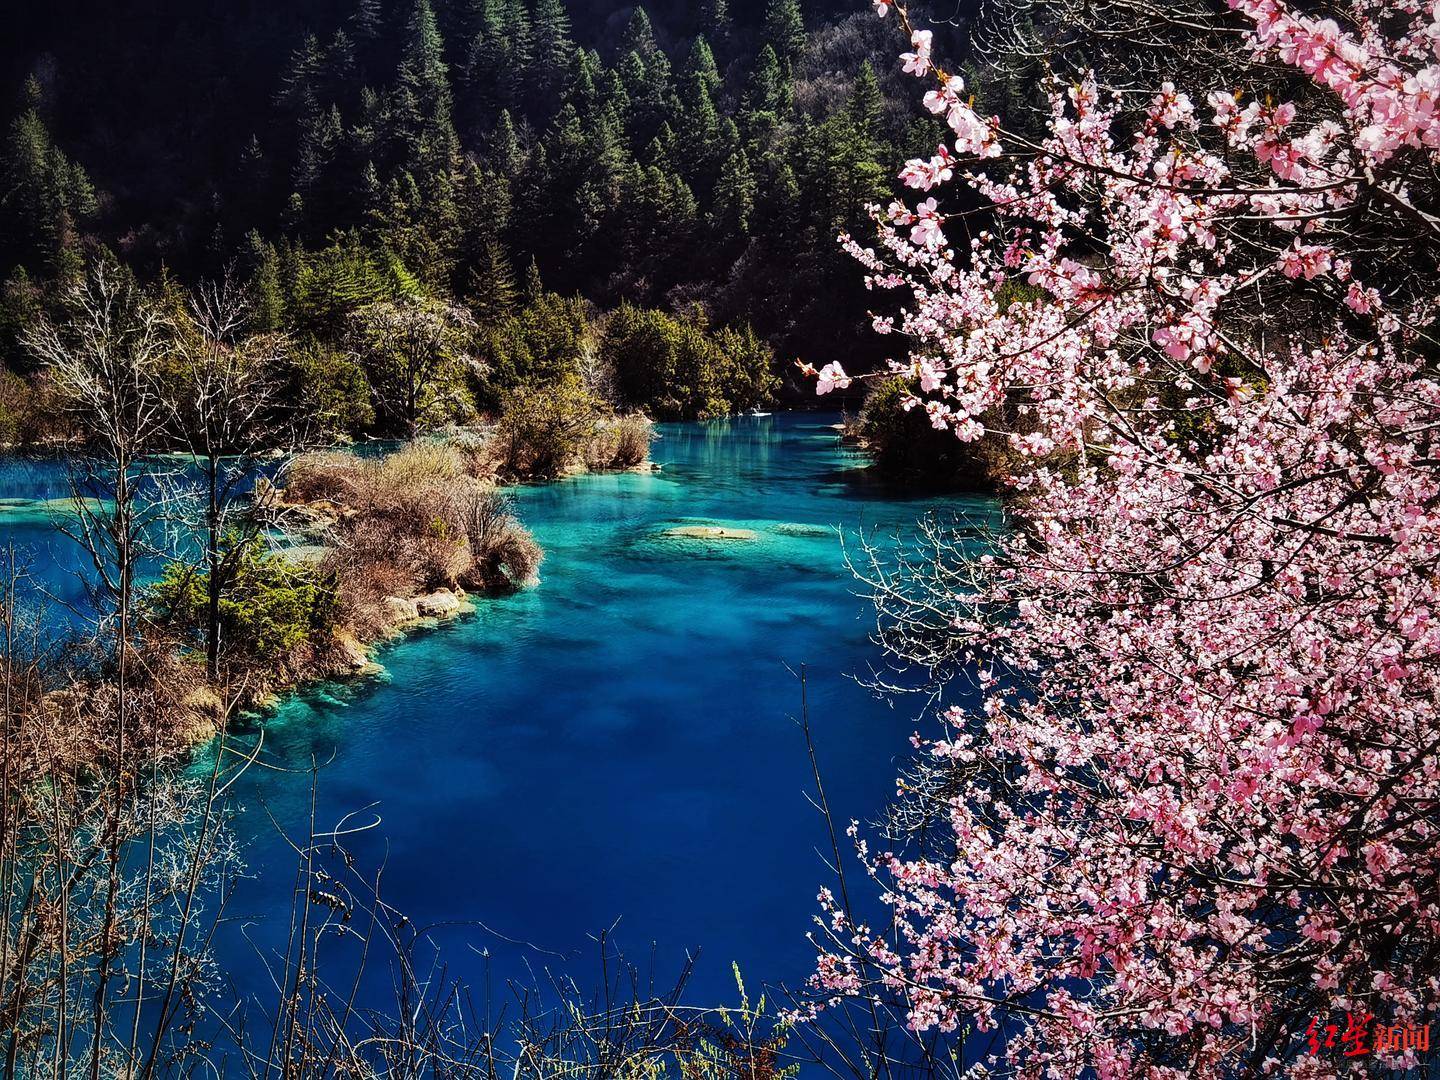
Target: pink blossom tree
{"points": [[1195, 801]]}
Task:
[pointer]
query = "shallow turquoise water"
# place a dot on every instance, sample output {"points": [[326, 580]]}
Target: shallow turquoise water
{"points": [[615, 748]]}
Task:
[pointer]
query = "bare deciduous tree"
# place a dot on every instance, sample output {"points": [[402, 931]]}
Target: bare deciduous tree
{"points": [[105, 362], [414, 353], [229, 415]]}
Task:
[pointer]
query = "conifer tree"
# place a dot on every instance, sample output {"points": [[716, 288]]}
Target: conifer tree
{"points": [[866, 102], [614, 94], [534, 286], [661, 151], [769, 89], [367, 21], [253, 166], [583, 86], [266, 284], [785, 29], [43, 194], [715, 18], [481, 80], [492, 292], [423, 104], [700, 63], [702, 134], [639, 35], [21, 307], [299, 86], [554, 48], [519, 37], [319, 140], [645, 73], [733, 204], [506, 154], [340, 77]]}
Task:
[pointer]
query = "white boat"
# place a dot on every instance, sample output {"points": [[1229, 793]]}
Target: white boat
{"points": [[756, 412]]}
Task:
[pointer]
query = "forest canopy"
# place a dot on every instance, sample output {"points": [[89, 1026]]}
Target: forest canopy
{"points": [[697, 160]]}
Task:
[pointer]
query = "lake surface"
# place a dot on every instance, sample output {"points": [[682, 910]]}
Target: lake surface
{"points": [[615, 749]]}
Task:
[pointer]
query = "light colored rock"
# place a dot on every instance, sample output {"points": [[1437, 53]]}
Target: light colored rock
{"points": [[355, 655], [438, 604], [710, 532], [400, 609]]}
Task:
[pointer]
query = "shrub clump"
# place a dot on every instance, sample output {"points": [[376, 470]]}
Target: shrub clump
{"points": [[908, 449], [421, 519], [275, 610], [676, 368], [546, 431]]}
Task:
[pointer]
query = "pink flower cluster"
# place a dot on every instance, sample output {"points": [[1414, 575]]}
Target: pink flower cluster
{"points": [[1200, 789], [1394, 106]]}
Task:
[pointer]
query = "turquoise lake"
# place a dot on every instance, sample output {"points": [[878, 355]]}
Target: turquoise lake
{"points": [[614, 750]]}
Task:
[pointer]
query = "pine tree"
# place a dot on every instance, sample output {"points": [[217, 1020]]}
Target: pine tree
{"points": [[422, 62], [493, 294], [733, 204], [582, 90], [661, 152], [866, 103], [519, 36], [467, 18], [299, 88], [785, 29], [46, 195], [702, 134], [482, 79], [769, 89], [294, 216], [715, 18], [534, 287], [367, 21], [700, 63], [267, 295], [485, 203], [554, 48], [253, 175], [506, 154], [319, 140], [639, 36], [510, 45], [340, 78], [423, 104], [21, 307], [647, 83]]}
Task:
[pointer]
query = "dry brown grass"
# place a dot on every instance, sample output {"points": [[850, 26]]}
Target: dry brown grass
{"points": [[621, 443], [423, 518], [503, 553], [349, 480]]}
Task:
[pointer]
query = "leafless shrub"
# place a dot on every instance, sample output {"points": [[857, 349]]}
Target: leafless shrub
{"points": [[621, 443], [324, 476], [504, 555]]}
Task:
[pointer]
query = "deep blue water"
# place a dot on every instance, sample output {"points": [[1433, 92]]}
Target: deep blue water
{"points": [[616, 747]]}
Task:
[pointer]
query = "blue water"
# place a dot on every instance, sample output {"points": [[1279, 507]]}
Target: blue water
{"points": [[617, 747]]}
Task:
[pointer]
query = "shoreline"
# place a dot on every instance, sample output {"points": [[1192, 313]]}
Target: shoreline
{"points": [[352, 658]]}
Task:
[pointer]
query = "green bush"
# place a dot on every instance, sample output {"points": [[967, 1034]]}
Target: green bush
{"points": [[272, 606], [544, 429], [27, 411], [674, 368], [540, 345], [327, 286], [331, 390], [907, 448]]}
